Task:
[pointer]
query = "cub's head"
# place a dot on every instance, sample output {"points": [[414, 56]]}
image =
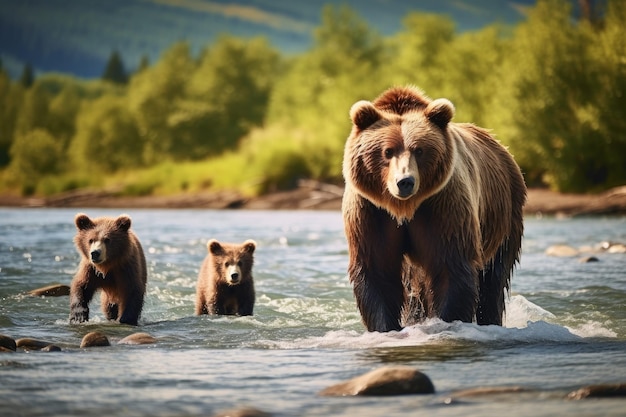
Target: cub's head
{"points": [[232, 262], [400, 151], [103, 240]]}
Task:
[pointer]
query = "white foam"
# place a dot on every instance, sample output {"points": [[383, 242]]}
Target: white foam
{"points": [[525, 323]]}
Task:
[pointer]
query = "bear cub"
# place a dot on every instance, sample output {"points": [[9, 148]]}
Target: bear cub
{"points": [[225, 284], [112, 261]]}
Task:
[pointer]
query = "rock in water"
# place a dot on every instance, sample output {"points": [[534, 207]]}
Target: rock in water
{"points": [[138, 339], [93, 339], [389, 380], [598, 391], [7, 343], [54, 290], [31, 344]]}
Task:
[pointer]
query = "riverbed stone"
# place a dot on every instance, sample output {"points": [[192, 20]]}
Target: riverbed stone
{"points": [[31, 344], [7, 343], [54, 290], [139, 338], [51, 348], [243, 412], [388, 380], [587, 259], [562, 251], [487, 391], [599, 391], [93, 339]]}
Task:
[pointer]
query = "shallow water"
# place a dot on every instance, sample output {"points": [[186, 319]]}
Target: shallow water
{"points": [[565, 325]]}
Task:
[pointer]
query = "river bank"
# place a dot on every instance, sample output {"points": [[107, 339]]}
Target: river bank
{"points": [[311, 195]]}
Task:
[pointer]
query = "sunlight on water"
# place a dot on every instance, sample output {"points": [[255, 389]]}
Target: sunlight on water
{"points": [[563, 320]]}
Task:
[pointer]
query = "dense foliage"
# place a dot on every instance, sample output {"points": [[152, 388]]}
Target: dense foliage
{"points": [[242, 116]]}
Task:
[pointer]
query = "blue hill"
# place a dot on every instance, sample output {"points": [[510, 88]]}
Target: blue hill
{"points": [[78, 36]]}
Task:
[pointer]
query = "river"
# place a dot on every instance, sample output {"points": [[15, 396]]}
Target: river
{"points": [[565, 325]]}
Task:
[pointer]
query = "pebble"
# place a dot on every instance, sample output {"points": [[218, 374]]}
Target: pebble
{"points": [[7, 343], [588, 259], [388, 380], [55, 290], [51, 348], [93, 339], [138, 339], [599, 391]]}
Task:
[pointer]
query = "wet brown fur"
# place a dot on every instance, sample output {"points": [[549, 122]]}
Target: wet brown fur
{"points": [[449, 249], [214, 295], [122, 276]]}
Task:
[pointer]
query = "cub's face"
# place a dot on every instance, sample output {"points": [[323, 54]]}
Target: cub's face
{"points": [[232, 262], [102, 240], [398, 158]]}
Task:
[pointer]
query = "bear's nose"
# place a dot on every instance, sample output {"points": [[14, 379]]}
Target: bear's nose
{"points": [[405, 185], [234, 277], [95, 255]]}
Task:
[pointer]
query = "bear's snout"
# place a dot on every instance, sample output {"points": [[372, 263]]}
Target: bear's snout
{"points": [[97, 252], [233, 274], [406, 185], [95, 255]]}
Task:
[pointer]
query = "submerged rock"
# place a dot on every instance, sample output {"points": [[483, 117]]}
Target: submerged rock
{"points": [[7, 343], [138, 339], [31, 344], [485, 391], [562, 251], [388, 380], [243, 412], [93, 339], [51, 348], [588, 259], [599, 391], [54, 290]]}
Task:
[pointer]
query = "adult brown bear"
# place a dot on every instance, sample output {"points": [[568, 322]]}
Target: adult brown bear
{"points": [[432, 213]]}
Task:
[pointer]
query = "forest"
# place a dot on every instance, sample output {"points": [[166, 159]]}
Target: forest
{"points": [[242, 116]]}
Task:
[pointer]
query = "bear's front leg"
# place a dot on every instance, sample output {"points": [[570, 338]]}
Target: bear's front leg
{"points": [[81, 293], [375, 246]]}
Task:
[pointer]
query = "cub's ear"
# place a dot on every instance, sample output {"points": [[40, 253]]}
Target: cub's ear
{"points": [[249, 246], [83, 222], [123, 223], [440, 112], [364, 114], [214, 247]]}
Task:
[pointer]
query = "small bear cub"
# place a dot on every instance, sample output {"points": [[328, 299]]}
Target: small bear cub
{"points": [[112, 260], [225, 284]]}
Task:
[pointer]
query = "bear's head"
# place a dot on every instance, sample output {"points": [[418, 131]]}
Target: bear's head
{"points": [[400, 150], [104, 241], [232, 262]]}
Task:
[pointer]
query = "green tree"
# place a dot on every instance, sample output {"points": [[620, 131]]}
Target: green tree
{"points": [[34, 154], [319, 87], [11, 97], [556, 103], [28, 77], [114, 70], [106, 137], [152, 98], [226, 97]]}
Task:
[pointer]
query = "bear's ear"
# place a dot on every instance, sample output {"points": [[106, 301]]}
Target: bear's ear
{"points": [[440, 112], [364, 114], [123, 223], [83, 222], [214, 247], [249, 246]]}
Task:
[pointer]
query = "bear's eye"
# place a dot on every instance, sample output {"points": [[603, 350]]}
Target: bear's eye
{"points": [[419, 152], [90, 241], [106, 240], [239, 263], [388, 153], [226, 263]]}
